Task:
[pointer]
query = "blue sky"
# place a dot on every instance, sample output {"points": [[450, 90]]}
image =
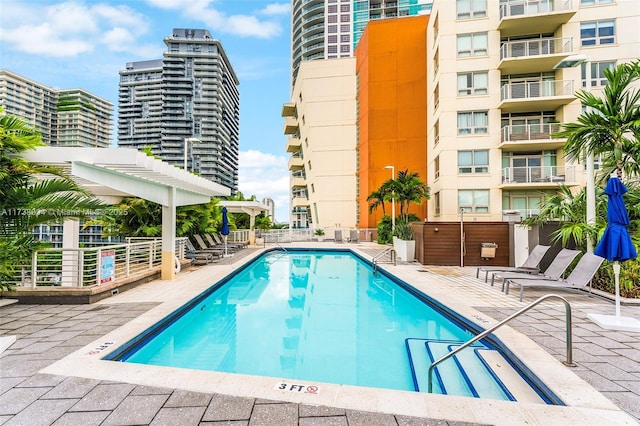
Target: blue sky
{"points": [[84, 43]]}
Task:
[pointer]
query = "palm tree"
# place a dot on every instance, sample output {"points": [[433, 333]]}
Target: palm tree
{"points": [[409, 188], [26, 201], [569, 208], [377, 199], [609, 126]]}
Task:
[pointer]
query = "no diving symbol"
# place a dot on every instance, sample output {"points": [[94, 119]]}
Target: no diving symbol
{"points": [[297, 388]]}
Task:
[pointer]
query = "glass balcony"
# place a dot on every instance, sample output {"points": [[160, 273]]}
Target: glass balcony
{"points": [[538, 175], [534, 16], [543, 95], [535, 55]]}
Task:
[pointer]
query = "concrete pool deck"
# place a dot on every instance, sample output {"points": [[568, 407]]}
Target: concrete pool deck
{"points": [[53, 373]]}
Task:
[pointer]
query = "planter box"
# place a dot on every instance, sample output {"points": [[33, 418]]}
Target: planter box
{"points": [[405, 249]]}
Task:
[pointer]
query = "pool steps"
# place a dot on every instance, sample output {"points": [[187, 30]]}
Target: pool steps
{"points": [[467, 372]]}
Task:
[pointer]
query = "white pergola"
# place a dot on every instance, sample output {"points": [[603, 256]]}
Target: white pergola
{"points": [[113, 173], [252, 208]]}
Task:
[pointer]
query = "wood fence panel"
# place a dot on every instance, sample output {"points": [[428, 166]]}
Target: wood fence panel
{"points": [[440, 243]]}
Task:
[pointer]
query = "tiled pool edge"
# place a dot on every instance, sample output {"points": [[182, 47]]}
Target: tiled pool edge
{"points": [[585, 404]]}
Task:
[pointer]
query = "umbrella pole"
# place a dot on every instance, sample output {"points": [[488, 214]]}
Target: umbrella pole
{"points": [[616, 274], [226, 252]]}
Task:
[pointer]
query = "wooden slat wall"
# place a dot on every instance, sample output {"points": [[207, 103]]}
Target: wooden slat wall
{"points": [[438, 243]]}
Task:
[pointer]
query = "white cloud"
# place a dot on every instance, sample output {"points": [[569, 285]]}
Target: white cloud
{"points": [[265, 176], [276, 9], [220, 22], [71, 28]]}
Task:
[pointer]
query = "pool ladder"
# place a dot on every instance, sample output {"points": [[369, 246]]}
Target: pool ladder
{"points": [[374, 260], [568, 362]]}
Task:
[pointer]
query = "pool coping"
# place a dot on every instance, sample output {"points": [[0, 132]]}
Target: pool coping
{"points": [[583, 403]]}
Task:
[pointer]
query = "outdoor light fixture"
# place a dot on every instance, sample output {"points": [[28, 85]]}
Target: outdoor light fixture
{"points": [[571, 62], [393, 200]]}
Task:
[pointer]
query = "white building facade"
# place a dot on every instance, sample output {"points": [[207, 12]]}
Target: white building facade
{"points": [[321, 125], [496, 97]]}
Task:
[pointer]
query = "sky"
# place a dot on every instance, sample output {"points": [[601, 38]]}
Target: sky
{"points": [[85, 43]]}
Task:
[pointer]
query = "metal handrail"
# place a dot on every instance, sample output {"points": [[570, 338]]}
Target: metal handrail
{"points": [[568, 362], [375, 258]]}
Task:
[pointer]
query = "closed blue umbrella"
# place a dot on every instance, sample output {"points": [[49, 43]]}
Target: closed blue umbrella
{"points": [[616, 245], [225, 229]]}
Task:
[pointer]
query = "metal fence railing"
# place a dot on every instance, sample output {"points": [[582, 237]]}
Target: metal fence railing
{"points": [[84, 267]]}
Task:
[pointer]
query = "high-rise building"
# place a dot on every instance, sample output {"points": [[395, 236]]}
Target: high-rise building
{"points": [[498, 90], [321, 124], [185, 107], [328, 29], [66, 117]]}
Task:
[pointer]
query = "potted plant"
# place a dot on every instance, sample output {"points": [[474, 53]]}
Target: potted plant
{"points": [[403, 242], [319, 233]]}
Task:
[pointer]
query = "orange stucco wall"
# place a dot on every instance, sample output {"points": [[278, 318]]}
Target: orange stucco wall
{"points": [[392, 114]]}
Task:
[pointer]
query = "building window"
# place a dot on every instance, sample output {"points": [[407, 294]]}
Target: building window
{"points": [[345, 38], [468, 9], [332, 49], [344, 49], [332, 39], [597, 73], [436, 133], [436, 96], [472, 44], [332, 29], [597, 32], [594, 2], [332, 8], [436, 167], [345, 28], [344, 8], [473, 161], [436, 62], [345, 18], [473, 200], [473, 122], [333, 19], [473, 83], [436, 203]]}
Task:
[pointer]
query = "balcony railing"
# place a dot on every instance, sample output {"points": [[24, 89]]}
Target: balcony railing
{"points": [[512, 8], [529, 132], [537, 47], [536, 89], [538, 174]]}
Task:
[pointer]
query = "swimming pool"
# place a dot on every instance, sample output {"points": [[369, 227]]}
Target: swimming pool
{"points": [[316, 316]]}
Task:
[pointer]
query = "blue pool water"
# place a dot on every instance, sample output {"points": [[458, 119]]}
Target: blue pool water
{"points": [[308, 315]]}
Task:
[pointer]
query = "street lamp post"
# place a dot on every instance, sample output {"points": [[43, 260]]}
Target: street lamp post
{"points": [[393, 199], [590, 187], [186, 146]]}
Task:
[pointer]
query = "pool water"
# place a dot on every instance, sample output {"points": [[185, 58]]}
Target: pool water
{"points": [[311, 315]]}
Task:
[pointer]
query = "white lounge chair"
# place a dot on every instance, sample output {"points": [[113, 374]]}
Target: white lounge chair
{"points": [[530, 265], [554, 271], [579, 278]]}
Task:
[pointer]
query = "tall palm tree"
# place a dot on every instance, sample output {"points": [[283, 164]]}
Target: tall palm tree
{"points": [[609, 126], [27, 200]]}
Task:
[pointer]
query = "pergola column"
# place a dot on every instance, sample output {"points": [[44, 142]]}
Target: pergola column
{"points": [[169, 236]]}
